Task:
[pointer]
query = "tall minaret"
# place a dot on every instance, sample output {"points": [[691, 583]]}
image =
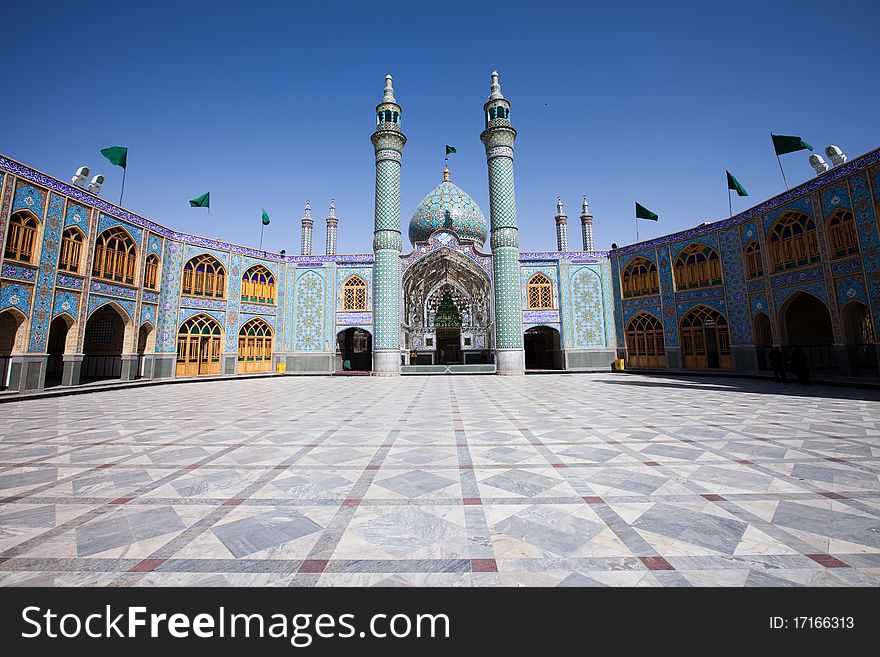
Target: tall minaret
{"points": [[307, 223], [587, 226], [561, 227], [498, 137], [331, 229], [388, 142]]}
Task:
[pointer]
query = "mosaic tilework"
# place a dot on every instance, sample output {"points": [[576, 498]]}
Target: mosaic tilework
{"points": [[608, 305], [201, 302], [549, 270], [290, 280], [193, 250], [587, 308], [186, 313], [667, 297], [343, 274], [618, 302], [148, 314], [818, 290], [78, 216], [154, 245], [442, 240], [849, 266], [28, 197], [106, 221], [309, 312], [697, 295], [638, 302], [96, 301], [246, 317], [7, 182], [234, 294], [257, 309], [247, 263], [797, 277], [149, 296], [629, 313], [749, 233], [866, 221], [46, 277], [66, 302], [851, 289], [717, 304], [735, 288], [464, 215], [677, 247], [759, 305], [172, 264], [19, 272], [487, 481], [386, 300], [756, 285], [803, 204], [109, 289], [13, 295], [834, 197]]}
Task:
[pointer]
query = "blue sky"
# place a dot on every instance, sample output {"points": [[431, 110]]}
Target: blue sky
{"points": [[268, 104]]}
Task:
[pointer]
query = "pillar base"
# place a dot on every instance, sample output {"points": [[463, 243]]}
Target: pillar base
{"points": [[71, 369], [673, 358], [386, 363], [130, 364], [164, 366], [510, 362], [230, 364], [27, 372]]}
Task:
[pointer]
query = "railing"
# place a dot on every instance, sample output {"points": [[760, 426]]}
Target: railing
{"points": [[4, 371], [101, 367]]}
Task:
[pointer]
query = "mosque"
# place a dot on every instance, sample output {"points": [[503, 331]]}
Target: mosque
{"points": [[91, 291]]}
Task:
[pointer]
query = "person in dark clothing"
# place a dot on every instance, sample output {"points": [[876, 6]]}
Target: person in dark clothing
{"points": [[798, 364], [777, 362]]}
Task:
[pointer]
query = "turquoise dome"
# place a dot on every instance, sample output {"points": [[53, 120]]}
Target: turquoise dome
{"points": [[464, 218]]}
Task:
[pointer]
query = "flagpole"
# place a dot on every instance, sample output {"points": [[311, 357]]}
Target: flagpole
{"points": [[208, 230], [262, 228], [122, 191], [637, 229], [783, 171], [729, 203]]}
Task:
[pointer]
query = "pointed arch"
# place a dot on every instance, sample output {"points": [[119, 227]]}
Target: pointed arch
{"points": [[645, 342], [70, 257], [354, 293], [256, 342], [199, 340], [539, 291], [258, 285], [204, 276], [151, 272], [115, 256], [22, 244], [793, 241], [705, 339], [753, 261], [639, 278], [843, 239], [697, 265]]}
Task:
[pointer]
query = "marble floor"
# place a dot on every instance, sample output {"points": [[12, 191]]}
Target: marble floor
{"points": [[551, 480]]}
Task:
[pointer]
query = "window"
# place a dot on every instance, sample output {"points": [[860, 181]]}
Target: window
{"points": [[793, 242], [71, 250], [258, 285], [640, 278], [754, 264], [203, 276], [255, 347], [644, 341], [697, 266], [540, 292], [151, 272], [354, 294], [21, 237], [198, 346], [115, 256], [842, 234]]}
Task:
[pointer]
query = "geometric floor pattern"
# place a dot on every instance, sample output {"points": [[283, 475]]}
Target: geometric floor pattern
{"points": [[550, 480]]}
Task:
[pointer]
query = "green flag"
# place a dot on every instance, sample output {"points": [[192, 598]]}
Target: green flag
{"points": [[783, 144], [733, 183], [117, 155], [644, 213], [450, 149], [265, 218], [203, 201]]}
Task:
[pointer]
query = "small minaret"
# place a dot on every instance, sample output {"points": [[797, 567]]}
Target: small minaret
{"points": [[331, 229], [587, 226], [307, 224], [561, 226]]}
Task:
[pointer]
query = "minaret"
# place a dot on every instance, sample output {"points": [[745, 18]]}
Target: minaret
{"points": [[307, 224], [587, 226], [331, 229], [388, 142], [498, 137], [561, 227]]}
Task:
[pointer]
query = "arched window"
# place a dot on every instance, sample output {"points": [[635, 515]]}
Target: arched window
{"points": [[754, 264], [258, 285], [697, 266], [540, 292], [71, 250], [115, 256], [198, 346], [793, 241], [644, 341], [204, 276], [151, 272], [255, 347], [842, 234], [640, 278], [705, 339], [21, 237], [354, 294]]}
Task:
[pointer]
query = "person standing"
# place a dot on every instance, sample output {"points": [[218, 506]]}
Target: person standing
{"points": [[798, 365], [777, 362]]}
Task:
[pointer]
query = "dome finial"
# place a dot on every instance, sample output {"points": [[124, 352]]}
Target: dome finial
{"points": [[559, 209], [496, 87], [446, 173], [389, 91], [308, 208]]}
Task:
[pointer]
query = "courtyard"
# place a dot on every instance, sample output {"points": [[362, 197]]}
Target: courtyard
{"points": [[550, 480]]}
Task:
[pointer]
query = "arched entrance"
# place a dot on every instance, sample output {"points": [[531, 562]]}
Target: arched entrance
{"points": [[543, 348], [705, 339], [146, 344], [255, 342], [355, 347], [12, 329], [446, 310], [806, 323], [644, 342], [763, 339], [102, 345], [860, 338], [56, 346], [198, 346]]}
